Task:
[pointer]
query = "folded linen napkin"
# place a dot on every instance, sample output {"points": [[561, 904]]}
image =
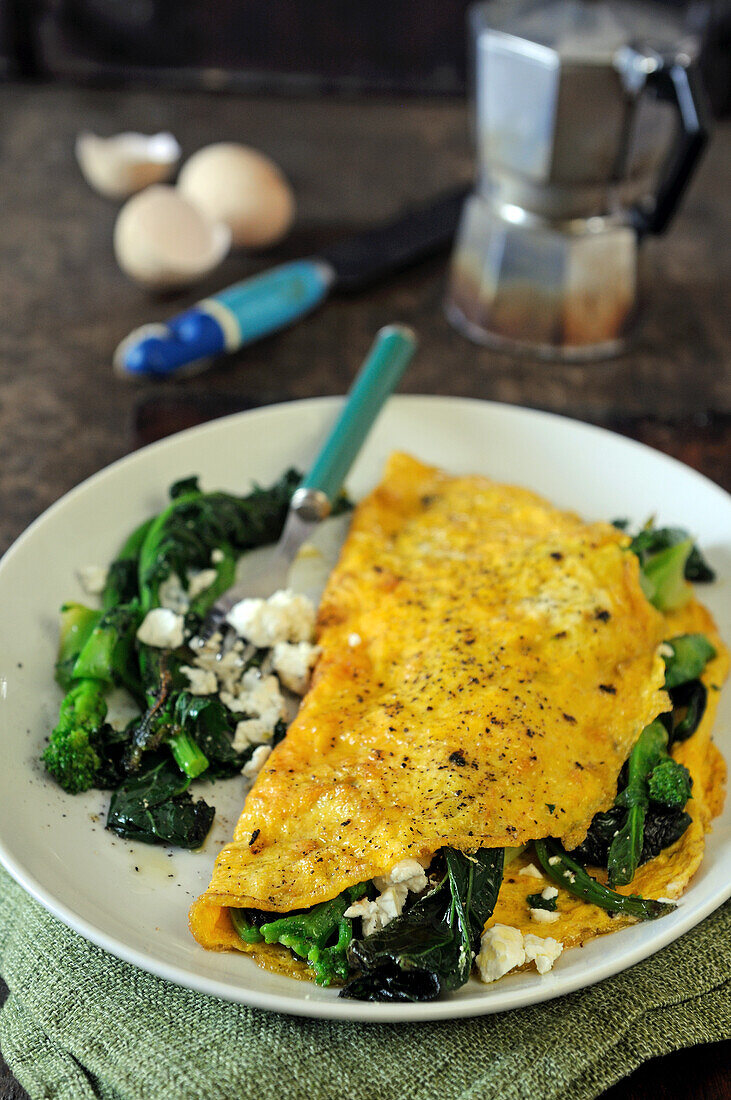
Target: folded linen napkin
{"points": [[81, 1025]]}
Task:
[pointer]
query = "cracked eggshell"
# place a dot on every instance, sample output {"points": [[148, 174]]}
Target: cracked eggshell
{"points": [[243, 188], [165, 242], [120, 165]]}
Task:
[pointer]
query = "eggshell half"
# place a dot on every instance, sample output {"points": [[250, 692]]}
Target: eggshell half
{"points": [[119, 166], [164, 242]]}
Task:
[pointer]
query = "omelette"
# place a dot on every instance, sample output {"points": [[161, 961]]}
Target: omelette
{"points": [[487, 663]]}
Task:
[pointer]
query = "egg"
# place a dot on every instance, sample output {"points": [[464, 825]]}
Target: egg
{"points": [[119, 166], [243, 188], [164, 242]]}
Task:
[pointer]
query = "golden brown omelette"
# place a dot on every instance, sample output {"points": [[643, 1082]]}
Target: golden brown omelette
{"points": [[488, 662]]}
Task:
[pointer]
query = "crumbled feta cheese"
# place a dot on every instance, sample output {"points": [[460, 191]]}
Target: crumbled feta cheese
{"points": [[200, 681], [543, 916], [408, 873], [501, 950], [92, 579], [293, 662], [542, 950], [570, 876], [665, 650], [549, 892], [377, 914], [200, 581], [284, 617], [217, 556], [530, 871], [258, 697], [172, 595], [259, 758], [251, 731], [354, 640], [162, 628], [554, 860]]}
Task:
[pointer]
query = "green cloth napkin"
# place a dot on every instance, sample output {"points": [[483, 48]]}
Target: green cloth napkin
{"points": [[80, 1024]]}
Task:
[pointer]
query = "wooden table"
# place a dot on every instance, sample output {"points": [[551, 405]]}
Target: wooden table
{"points": [[65, 306]]}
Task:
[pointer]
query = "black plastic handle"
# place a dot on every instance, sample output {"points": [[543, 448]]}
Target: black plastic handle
{"points": [[675, 79]]}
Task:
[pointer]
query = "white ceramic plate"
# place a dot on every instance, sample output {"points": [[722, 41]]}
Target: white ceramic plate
{"points": [[132, 899]]}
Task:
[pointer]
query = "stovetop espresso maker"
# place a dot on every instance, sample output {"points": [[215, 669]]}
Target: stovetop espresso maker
{"points": [[588, 125]]}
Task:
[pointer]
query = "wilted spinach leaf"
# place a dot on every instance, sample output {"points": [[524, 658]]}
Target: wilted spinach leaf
{"points": [[155, 806], [429, 949]]}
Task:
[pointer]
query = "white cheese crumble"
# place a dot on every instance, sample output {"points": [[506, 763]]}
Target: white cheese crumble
{"points": [[530, 871], [251, 731], [354, 640], [200, 581], [284, 617], [554, 860], [542, 950], [217, 556], [549, 892], [162, 628], [408, 875], [259, 758], [92, 579], [256, 696], [172, 595], [200, 682], [543, 916], [293, 662], [501, 950]]}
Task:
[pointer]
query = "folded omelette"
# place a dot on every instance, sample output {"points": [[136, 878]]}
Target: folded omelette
{"points": [[487, 663]]}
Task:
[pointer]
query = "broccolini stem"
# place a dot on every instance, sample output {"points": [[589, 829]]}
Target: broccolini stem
{"points": [[559, 866], [188, 756]]}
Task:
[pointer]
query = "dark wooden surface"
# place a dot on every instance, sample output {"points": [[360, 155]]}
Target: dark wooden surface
{"points": [[64, 306]]}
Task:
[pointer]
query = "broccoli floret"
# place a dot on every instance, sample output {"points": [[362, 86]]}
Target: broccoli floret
{"points": [[70, 755], [670, 784]]}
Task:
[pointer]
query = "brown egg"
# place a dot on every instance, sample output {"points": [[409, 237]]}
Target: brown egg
{"points": [[244, 189]]}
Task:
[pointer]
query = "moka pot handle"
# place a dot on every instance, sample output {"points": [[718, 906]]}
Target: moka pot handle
{"points": [[675, 79]]}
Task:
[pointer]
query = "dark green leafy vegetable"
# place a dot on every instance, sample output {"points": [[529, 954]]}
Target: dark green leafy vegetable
{"points": [[320, 935], [564, 870], [157, 808], [537, 901], [429, 949], [99, 650], [671, 787], [651, 774], [662, 577], [626, 846], [691, 653], [689, 705], [651, 540], [662, 828]]}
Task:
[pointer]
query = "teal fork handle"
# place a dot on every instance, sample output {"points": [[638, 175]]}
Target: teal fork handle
{"points": [[381, 372]]}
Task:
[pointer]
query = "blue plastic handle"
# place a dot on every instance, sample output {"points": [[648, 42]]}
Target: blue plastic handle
{"points": [[268, 302], [381, 372]]}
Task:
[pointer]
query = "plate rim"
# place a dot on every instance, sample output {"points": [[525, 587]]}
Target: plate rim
{"points": [[682, 921]]}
